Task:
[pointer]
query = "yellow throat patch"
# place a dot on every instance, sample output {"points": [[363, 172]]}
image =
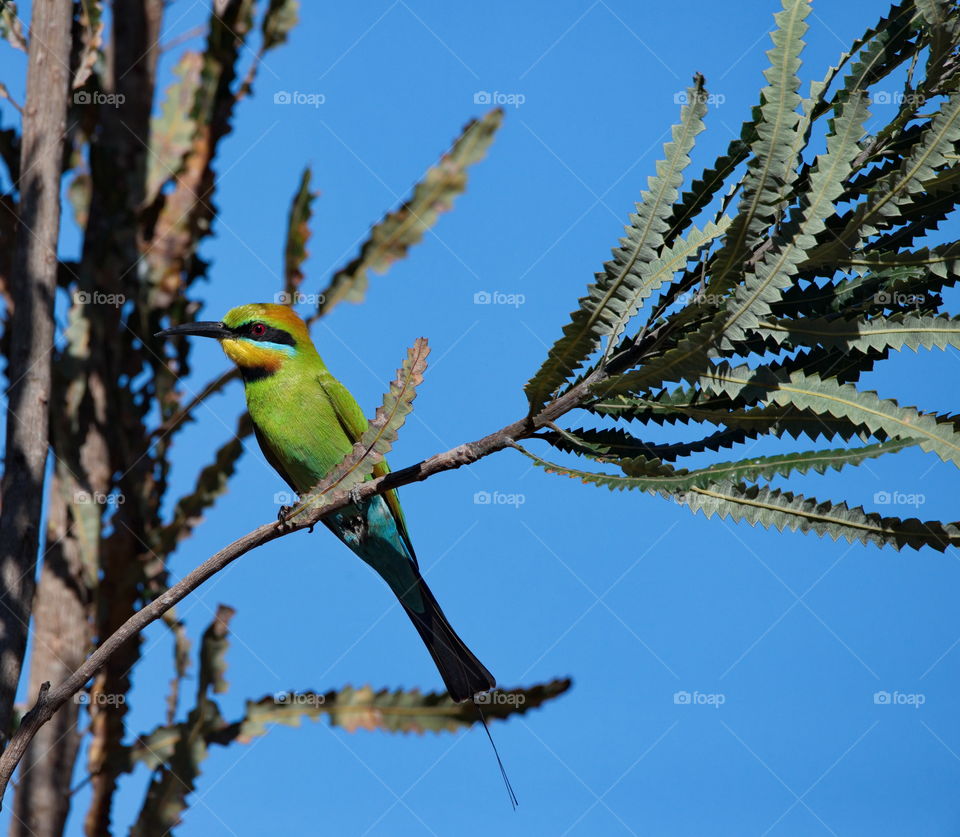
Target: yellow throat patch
{"points": [[249, 355]]}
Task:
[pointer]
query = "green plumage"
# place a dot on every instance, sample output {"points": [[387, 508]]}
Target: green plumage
{"points": [[306, 422]]}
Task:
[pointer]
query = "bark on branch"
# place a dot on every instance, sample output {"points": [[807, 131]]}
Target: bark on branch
{"points": [[51, 699], [31, 340]]}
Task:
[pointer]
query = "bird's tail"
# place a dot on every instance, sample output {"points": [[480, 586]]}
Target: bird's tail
{"points": [[463, 674]]}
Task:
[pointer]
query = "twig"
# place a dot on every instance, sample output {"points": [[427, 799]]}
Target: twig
{"points": [[211, 388], [49, 702]]}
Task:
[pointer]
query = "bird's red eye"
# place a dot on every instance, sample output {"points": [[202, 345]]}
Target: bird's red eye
{"points": [[258, 329]]}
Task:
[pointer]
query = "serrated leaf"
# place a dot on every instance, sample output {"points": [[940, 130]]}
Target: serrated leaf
{"points": [[92, 25], [175, 752], [786, 510], [395, 711], [379, 436], [826, 396], [610, 444], [772, 165], [397, 232], [11, 29], [279, 19], [298, 234], [213, 650], [754, 422], [652, 275], [764, 286], [597, 317], [704, 188], [774, 272], [211, 483], [181, 660], [187, 212], [861, 333], [172, 132], [655, 477], [888, 195]]}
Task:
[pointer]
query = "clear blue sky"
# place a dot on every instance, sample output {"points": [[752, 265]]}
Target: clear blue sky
{"points": [[633, 597]]}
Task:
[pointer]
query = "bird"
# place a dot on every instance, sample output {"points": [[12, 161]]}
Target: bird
{"points": [[306, 422]]}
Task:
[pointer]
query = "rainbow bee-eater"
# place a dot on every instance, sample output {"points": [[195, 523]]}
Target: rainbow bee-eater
{"points": [[306, 422]]}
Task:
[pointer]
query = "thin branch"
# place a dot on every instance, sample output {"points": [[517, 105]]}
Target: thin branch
{"points": [[50, 700], [211, 388]]}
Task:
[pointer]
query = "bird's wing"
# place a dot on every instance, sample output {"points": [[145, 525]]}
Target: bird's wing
{"points": [[275, 461], [354, 424]]}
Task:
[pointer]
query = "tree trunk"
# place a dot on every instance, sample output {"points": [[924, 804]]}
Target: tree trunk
{"points": [[31, 340], [61, 642]]}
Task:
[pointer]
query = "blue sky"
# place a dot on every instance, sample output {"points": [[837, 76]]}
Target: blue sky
{"points": [[782, 640]]}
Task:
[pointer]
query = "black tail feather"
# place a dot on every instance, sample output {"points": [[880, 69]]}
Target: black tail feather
{"points": [[463, 674]]}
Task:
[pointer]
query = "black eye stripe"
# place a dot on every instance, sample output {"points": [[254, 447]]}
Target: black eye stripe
{"points": [[271, 335]]}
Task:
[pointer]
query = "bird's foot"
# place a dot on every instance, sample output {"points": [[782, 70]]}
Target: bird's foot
{"points": [[355, 495], [283, 517]]}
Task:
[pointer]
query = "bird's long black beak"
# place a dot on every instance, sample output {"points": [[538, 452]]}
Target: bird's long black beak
{"points": [[215, 330]]}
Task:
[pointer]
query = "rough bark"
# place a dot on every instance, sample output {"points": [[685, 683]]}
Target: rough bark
{"points": [[61, 641], [31, 340], [112, 247]]}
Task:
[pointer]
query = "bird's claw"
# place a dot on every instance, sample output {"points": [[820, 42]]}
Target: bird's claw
{"points": [[355, 495], [283, 517]]}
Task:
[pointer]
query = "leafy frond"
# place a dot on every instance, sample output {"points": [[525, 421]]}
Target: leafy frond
{"points": [[621, 285], [398, 231], [772, 165], [762, 288], [654, 476], [379, 436], [826, 396], [774, 508], [298, 234], [895, 332]]}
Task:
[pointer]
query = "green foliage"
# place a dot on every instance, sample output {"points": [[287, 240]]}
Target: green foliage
{"points": [[91, 41], [629, 277], [11, 29], [173, 131], [391, 237], [804, 277], [174, 752], [144, 188], [379, 436], [281, 16], [298, 234]]}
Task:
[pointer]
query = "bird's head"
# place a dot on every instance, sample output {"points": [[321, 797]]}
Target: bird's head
{"points": [[259, 338]]}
